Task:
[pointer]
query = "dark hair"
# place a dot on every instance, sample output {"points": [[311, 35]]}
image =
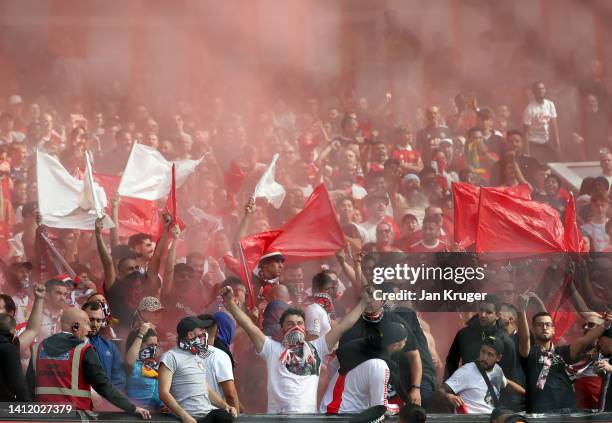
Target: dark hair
{"points": [[232, 281], [511, 309], [346, 119], [411, 413], [391, 161], [485, 113], [9, 304], [92, 305], [408, 216], [123, 260], [138, 238], [7, 322], [134, 334], [472, 130], [52, 283], [515, 132], [341, 200], [320, 280], [556, 178], [493, 299], [540, 314], [586, 187], [291, 312], [431, 219]]}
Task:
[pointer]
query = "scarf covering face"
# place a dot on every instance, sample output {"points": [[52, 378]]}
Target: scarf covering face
{"points": [[196, 346], [549, 359], [150, 365], [297, 351], [325, 301]]}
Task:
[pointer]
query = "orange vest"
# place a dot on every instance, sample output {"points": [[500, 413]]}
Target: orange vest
{"points": [[61, 379]]}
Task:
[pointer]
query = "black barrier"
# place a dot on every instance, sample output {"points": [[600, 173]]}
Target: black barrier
{"points": [[312, 418]]}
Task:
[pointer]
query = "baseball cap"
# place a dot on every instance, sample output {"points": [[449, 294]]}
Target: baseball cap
{"points": [[189, 323], [150, 304], [393, 332], [374, 414], [270, 257], [496, 343]]}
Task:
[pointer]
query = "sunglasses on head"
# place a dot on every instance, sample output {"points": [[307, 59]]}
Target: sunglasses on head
{"points": [[589, 325]]}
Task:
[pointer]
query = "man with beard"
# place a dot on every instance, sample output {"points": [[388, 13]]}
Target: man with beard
{"points": [[604, 368], [549, 372], [361, 381], [63, 369], [513, 154], [13, 386], [293, 364], [476, 386], [125, 287], [107, 352], [465, 346]]}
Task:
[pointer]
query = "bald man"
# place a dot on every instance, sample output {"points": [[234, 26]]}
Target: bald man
{"points": [[50, 376]]}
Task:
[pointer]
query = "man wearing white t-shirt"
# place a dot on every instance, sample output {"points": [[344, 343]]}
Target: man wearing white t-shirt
{"points": [[596, 227], [320, 312], [467, 389], [362, 379], [540, 120], [294, 364], [218, 367], [606, 166]]}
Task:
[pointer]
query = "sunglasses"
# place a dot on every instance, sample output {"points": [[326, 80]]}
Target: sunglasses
{"points": [[589, 325]]}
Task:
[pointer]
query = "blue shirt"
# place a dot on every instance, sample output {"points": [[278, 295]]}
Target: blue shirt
{"points": [[143, 390], [111, 360]]}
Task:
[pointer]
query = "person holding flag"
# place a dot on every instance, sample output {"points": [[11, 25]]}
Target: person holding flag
{"points": [[293, 364]]}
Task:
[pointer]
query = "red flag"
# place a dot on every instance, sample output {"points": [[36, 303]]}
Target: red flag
{"points": [[508, 224], [171, 202], [561, 309], [135, 215], [465, 208], [252, 248], [573, 236], [313, 233]]}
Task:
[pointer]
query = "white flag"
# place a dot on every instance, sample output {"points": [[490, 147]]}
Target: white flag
{"points": [[90, 197], [62, 197], [148, 175], [268, 188]]}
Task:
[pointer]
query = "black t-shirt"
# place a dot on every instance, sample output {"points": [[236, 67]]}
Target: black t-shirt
{"points": [[608, 403], [429, 371], [558, 392], [527, 164], [124, 297], [363, 329]]}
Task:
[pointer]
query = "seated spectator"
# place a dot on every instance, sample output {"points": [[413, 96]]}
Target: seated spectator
{"points": [[182, 377], [219, 367]]}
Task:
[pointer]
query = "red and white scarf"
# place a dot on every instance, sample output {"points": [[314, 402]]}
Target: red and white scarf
{"points": [[297, 350], [325, 301], [549, 359]]}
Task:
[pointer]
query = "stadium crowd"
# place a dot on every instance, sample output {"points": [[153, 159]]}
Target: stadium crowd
{"points": [[159, 320]]}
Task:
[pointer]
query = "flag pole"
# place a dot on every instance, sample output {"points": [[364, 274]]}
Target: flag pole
{"points": [[249, 283]]}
